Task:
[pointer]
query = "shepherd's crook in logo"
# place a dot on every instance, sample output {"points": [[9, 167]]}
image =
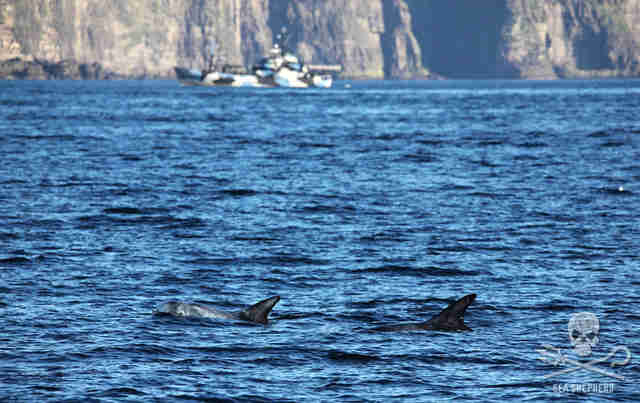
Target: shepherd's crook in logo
{"points": [[554, 356]]}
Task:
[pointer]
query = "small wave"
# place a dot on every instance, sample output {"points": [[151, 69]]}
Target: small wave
{"points": [[526, 157], [533, 144], [168, 119], [449, 249], [431, 143], [445, 358], [13, 182], [486, 163], [269, 261], [186, 166], [15, 261], [188, 236], [554, 217], [19, 102], [535, 133], [418, 271], [295, 261], [384, 237], [483, 195], [8, 235], [242, 398], [551, 307], [390, 136], [146, 348], [619, 191], [123, 210], [65, 184], [146, 211], [47, 388], [351, 358], [128, 190], [132, 218], [610, 144], [420, 158], [182, 223], [119, 393], [253, 239], [239, 192], [130, 157], [19, 252], [171, 279], [316, 145], [319, 208], [536, 385], [208, 262], [56, 137], [219, 118], [598, 134], [49, 224], [460, 187]]}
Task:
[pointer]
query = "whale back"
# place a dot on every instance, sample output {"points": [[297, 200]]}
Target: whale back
{"points": [[259, 312], [452, 317]]}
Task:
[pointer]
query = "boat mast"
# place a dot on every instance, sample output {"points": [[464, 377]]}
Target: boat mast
{"points": [[211, 49], [282, 39]]}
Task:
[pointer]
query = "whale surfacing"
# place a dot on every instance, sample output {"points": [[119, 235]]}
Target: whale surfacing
{"points": [[449, 319], [257, 313]]}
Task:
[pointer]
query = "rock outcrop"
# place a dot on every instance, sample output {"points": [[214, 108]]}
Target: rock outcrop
{"points": [[18, 69], [370, 38]]}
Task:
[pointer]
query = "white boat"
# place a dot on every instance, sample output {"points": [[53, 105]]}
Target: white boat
{"points": [[216, 78], [280, 68]]}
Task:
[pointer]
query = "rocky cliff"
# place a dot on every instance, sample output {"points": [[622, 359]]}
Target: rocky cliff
{"points": [[370, 38], [571, 38]]}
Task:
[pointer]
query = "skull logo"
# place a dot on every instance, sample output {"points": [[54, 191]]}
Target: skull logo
{"points": [[583, 332]]}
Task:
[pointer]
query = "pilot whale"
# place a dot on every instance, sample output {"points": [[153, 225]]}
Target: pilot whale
{"points": [[450, 318], [257, 313]]}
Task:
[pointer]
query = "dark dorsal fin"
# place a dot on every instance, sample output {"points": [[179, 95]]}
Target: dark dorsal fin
{"points": [[259, 312], [452, 317]]}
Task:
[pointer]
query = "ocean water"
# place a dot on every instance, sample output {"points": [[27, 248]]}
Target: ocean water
{"points": [[368, 204]]}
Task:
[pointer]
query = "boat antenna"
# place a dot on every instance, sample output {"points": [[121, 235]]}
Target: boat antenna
{"points": [[212, 48], [283, 38]]}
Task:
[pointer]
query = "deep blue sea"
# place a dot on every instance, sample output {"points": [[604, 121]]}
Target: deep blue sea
{"points": [[368, 204]]}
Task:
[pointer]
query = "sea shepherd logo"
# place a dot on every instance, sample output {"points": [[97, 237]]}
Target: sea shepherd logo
{"points": [[584, 335]]}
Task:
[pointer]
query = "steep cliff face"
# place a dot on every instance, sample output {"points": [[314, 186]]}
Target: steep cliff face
{"points": [[403, 54], [530, 39], [459, 38], [335, 31], [235, 30], [571, 38], [370, 38], [149, 37], [136, 38]]}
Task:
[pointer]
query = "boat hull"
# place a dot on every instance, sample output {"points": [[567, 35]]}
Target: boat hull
{"points": [[285, 77], [217, 79], [290, 79]]}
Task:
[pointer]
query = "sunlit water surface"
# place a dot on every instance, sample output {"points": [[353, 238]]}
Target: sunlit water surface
{"points": [[364, 205]]}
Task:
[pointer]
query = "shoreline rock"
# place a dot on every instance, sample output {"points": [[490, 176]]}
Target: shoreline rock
{"points": [[20, 69]]}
